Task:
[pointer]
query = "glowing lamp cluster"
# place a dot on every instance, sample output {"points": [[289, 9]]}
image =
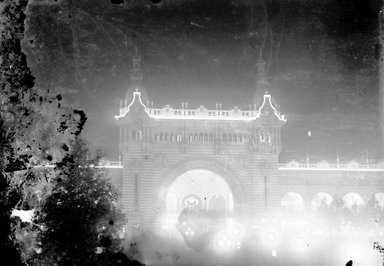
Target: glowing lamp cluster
{"points": [[229, 238], [189, 232]]}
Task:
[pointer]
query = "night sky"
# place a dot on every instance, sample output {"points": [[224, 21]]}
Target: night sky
{"points": [[321, 61]]}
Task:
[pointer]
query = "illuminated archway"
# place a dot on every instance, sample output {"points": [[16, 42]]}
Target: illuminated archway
{"points": [[217, 203], [352, 200], [379, 198], [321, 199], [201, 187], [292, 201], [171, 202]]}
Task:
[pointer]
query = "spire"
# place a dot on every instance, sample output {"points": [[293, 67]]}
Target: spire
{"points": [[262, 83], [261, 69], [136, 76], [262, 86]]}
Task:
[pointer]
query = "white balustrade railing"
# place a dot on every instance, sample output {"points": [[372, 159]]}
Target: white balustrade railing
{"points": [[326, 166], [200, 112], [110, 164], [291, 166]]}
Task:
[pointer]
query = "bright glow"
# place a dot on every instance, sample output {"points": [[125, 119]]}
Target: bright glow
{"points": [[318, 231], [25, 216], [223, 242], [300, 242], [274, 253], [359, 250], [189, 232], [199, 186], [229, 238], [217, 202], [237, 231], [125, 110], [38, 250], [200, 113], [329, 167], [267, 98], [99, 250], [192, 202], [171, 202], [271, 238], [168, 221], [234, 229], [293, 201], [230, 201], [303, 237]]}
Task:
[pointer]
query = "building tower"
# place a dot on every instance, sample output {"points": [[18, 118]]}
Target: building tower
{"points": [[267, 131], [133, 142], [159, 145]]}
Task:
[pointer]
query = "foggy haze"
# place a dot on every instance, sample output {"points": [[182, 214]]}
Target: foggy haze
{"points": [[321, 62], [232, 132]]}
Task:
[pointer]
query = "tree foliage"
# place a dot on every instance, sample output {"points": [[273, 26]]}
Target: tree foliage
{"points": [[38, 131], [16, 87], [79, 213]]}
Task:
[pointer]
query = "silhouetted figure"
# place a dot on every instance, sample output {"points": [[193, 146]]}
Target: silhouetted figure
{"points": [[349, 263]]}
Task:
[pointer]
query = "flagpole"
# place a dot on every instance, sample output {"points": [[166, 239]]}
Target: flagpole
{"points": [[337, 150], [309, 135]]}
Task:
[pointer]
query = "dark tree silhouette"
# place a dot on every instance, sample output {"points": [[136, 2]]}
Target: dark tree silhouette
{"points": [[78, 216], [16, 80]]}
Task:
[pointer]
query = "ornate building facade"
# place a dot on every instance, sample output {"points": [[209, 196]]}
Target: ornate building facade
{"points": [[216, 159]]}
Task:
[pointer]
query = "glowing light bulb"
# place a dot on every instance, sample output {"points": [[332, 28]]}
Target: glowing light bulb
{"points": [[271, 236], [300, 242]]}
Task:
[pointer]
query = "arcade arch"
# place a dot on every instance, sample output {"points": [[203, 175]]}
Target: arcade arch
{"points": [[292, 201], [352, 200], [321, 199], [379, 198]]}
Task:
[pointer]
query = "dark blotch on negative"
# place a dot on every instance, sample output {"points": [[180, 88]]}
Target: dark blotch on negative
{"points": [[65, 147]]}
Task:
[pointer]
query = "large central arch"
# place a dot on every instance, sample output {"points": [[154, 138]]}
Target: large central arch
{"points": [[226, 179], [205, 186], [199, 189]]}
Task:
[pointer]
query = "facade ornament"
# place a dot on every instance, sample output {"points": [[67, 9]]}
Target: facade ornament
{"points": [[243, 160], [160, 160], [323, 164], [136, 163], [353, 164]]}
